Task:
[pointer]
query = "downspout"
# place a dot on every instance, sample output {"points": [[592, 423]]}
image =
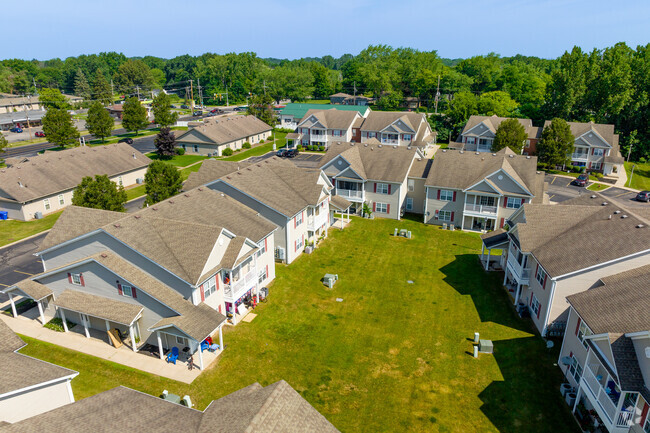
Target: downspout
{"points": [[548, 308]]}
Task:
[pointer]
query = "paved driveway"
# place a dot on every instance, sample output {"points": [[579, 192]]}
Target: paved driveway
{"points": [[18, 262], [307, 160], [560, 188]]}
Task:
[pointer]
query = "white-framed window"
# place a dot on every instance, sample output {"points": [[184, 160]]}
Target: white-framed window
{"points": [[299, 243], [527, 144], [336, 133], [119, 181], [262, 276], [76, 279], [411, 184], [407, 137], [299, 219], [184, 146], [575, 369], [46, 204], [535, 305], [180, 340], [196, 148], [446, 195], [646, 426], [444, 215], [262, 247], [409, 203], [210, 287], [470, 140], [596, 165], [382, 188], [598, 151], [127, 291], [583, 331], [513, 203], [381, 208], [371, 135], [484, 144], [540, 276], [61, 200]]}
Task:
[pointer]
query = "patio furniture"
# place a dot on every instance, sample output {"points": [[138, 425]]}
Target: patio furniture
{"points": [[213, 347], [204, 345], [330, 279], [173, 355]]}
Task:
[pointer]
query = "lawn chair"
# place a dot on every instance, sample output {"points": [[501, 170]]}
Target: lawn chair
{"points": [[205, 345], [173, 355]]}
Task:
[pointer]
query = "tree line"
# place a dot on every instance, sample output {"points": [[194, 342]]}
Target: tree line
{"points": [[610, 85]]}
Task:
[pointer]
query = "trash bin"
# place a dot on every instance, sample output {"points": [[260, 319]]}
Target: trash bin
{"points": [[4, 215]]}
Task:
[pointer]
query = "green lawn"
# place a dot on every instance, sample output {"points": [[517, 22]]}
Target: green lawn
{"points": [[185, 173], [318, 101], [259, 150], [641, 177], [392, 356], [179, 160], [12, 230], [598, 186], [135, 192]]}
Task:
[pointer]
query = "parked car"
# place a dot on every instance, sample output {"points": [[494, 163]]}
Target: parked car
{"points": [[216, 111], [281, 153], [197, 113], [643, 196], [581, 180], [211, 114], [172, 106], [185, 107], [126, 140], [39, 134], [292, 153], [16, 129]]}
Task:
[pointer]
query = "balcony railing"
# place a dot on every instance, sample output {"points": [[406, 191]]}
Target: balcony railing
{"points": [[579, 156], [481, 209], [238, 288], [314, 222], [349, 193], [602, 398], [521, 274], [389, 141]]}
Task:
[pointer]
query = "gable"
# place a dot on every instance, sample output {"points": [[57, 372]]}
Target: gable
{"points": [[506, 184], [593, 139], [218, 250], [194, 136], [483, 186], [336, 165], [480, 129], [349, 173]]}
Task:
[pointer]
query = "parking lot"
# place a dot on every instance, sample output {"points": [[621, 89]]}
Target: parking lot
{"points": [[18, 262], [302, 160], [561, 189]]}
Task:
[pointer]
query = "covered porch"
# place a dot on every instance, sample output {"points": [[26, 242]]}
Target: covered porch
{"points": [[175, 345], [494, 242], [481, 224], [342, 207], [20, 294]]}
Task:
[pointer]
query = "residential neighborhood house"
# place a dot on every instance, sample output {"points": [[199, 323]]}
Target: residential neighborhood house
{"points": [[213, 135], [31, 187], [479, 132], [398, 128], [292, 113], [322, 127], [345, 99]]}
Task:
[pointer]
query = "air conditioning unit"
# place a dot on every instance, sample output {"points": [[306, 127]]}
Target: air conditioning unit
{"points": [[38, 215], [139, 180], [280, 253]]}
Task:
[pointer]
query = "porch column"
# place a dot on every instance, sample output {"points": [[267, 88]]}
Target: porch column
{"points": [[578, 396], [505, 277], [517, 294], [108, 330], [200, 357], [221, 337], [160, 346], [40, 312], [132, 338], [65, 322], [462, 214], [13, 305], [482, 250], [85, 326], [487, 262]]}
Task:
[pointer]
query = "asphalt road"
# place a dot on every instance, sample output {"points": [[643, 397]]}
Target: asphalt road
{"points": [[560, 188], [18, 262]]}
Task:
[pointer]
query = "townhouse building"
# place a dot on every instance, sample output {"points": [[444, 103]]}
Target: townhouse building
{"points": [[346, 99], [293, 113], [479, 191], [322, 127], [479, 132], [296, 200], [373, 174], [215, 134], [554, 251], [399, 128], [35, 186], [605, 354], [163, 277]]}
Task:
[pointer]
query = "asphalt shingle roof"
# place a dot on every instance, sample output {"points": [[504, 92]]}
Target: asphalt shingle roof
{"points": [[298, 110], [98, 306], [226, 130], [331, 118]]}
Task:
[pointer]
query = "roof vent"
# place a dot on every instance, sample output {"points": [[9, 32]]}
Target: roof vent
{"points": [[616, 212], [609, 217], [248, 168], [511, 156], [365, 144], [604, 203], [494, 154], [379, 146], [640, 226], [395, 147], [444, 150], [20, 184], [171, 201], [117, 225], [460, 151], [154, 208], [239, 173], [134, 155], [104, 255], [186, 195], [200, 188], [623, 216], [592, 196], [223, 195], [477, 153], [137, 216]]}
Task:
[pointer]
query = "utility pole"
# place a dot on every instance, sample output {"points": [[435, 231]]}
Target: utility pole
{"points": [[112, 92], [628, 153], [227, 96], [29, 128], [34, 82], [264, 87], [198, 81], [631, 174], [437, 95], [192, 94]]}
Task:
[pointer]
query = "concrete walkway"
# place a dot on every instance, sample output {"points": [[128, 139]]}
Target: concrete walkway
{"points": [[101, 349]]}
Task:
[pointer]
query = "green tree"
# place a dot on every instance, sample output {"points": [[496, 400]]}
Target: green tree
{"points": [[3, 145], [556, 144], [497, 102], [134, 115], [463, 106], [261, 107], [165, 143], [99, 193], [322, 85], [512, 134], [99, 122], [158, 77], [390, 101], [81, 86], [161, 181], [102, 89], [133, 74], [59, 128], [162, 110], [52, 98]]}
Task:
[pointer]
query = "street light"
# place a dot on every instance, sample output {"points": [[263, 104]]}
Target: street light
{"points": [[631, 174]]}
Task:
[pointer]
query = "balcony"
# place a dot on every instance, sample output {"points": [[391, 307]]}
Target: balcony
{"points": [[237, 289], [314, 222], [389, 141], [521, 274], [605, 402], [480, 210], [579, 156], [350, 194]]}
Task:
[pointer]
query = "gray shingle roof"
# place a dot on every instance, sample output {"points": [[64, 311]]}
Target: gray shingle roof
{"points": [[53, 172], [9, 341], [421, 168], [604, 130], [98, 306], [339, 203], [332, 118], [628, 373], [374, 162], [493, 122], [34, 290], [225, 130]]}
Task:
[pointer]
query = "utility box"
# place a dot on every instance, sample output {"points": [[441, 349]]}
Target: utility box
{"points": [[330, 279], [485, 346]]}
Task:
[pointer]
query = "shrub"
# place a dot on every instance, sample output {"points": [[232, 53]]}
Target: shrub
{"points": [[299, 148], [246, 145], [56, 324], [321, 148], [226, 152], [287, 130], [180, 151], [261, 141], [597, 175], [642, 160], [542, 166], [578, 169]]}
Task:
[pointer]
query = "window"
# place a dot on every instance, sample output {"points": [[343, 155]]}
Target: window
{"points": [[196, 148], [540, 276], [46, 204], [119, 181], [336, 133], [411, 184], [446, 195], [298, 219], [527, 144], [409, 203], [382, 188], [76, 279], [371, 135], [575, 369], [596, 165], [513, 203], [598, 152], [61, 200], [381, 208], [484, 144], [299, 243], [210, 287], [444, 215], [584, 331], [535, 305], [470, 140], [262, 276], [486, 201], [184, 147], [180, 340], [407, 137], [262, 247], [127, 291], [344, 184]]}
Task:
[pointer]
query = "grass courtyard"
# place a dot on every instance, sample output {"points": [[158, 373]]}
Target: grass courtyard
{"points": [[392, 356]]}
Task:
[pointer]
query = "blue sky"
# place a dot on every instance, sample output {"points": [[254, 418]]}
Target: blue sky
{"points": [[301, 28]]}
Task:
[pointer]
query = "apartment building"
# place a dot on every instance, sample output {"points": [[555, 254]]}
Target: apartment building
{"points": [[605, 352], [374, 174], [293, 113], [296, 200], [400, 128], [479, 132], [322, 127], [479, 191], [35, 186]]}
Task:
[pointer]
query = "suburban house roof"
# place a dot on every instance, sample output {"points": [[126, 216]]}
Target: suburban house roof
{"points": [[620, 304], [21, 116], [580, 233], [298, 111], [494, 238], [225, 130], [375, 162], [421, 168], [276, 408], [52, 172], [275, 182], [331, 118], [340, 95], [339, 203], [33, 289], [461, 170], [492, 123], [405, 121], [212, 169], [605, 131], [22, 371], [98, 306]]}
